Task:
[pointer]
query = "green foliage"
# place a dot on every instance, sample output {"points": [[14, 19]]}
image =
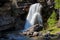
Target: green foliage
{"points": [[57, 3], [52, 20]]}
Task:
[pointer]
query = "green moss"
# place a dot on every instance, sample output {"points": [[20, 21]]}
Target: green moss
{"points": [[52, 21], [57, 3]]}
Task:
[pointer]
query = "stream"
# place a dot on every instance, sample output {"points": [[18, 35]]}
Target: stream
{"points": [[13, 35]]}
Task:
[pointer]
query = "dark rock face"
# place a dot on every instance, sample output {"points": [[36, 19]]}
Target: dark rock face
{"points": [[3, 1], [10, 15], [6, 22]]}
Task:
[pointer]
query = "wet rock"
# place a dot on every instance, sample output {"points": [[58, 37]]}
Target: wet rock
{"points": [[58, 24], [40, 34], [49, 37], [35, 34], [58, 33], [24, 33], [29, 30], [32, 30], [35, 28], [27, 33]]}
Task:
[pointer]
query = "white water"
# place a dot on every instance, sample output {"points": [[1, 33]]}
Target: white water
{"points": [[34, 16]]}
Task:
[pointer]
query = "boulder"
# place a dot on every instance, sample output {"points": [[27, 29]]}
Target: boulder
{"points": [[32, 31], [35, 33], [58, 24]]}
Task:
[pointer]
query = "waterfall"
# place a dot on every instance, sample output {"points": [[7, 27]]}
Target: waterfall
{"points": [[34, 16]]}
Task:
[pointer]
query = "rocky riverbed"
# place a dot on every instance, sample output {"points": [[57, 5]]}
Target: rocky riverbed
{"points": [[15, 35]]}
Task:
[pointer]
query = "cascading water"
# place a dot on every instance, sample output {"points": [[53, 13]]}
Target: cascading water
{"points": [[34, 16]]}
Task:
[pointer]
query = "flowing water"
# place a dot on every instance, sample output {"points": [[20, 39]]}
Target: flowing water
{"points": [[34, 16], [13, 35], [34, 13]]}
